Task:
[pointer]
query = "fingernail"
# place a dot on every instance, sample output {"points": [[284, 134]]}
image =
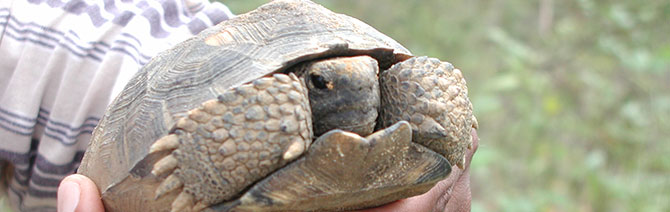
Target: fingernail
{"points": [[68, 196]]}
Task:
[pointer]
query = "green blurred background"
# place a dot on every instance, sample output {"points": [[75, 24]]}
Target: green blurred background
{"points": [[572, 97]]}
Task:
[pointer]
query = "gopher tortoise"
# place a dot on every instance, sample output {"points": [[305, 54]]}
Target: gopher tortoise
{"points": [[290, 107]]}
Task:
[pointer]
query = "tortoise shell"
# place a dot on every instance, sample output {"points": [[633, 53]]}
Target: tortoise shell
{"points": [[236, 53]]}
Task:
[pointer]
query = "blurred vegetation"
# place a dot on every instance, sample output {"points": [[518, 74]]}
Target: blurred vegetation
{"points": [[4, 206], [572, 97]]}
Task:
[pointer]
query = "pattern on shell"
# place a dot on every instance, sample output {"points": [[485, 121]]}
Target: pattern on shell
{"points": [[228, 120], [265, 41]]}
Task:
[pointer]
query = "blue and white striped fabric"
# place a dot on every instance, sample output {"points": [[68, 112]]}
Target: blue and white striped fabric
{"points": [[61, 63]]}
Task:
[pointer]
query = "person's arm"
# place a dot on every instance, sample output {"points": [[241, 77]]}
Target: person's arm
{"points": [[78, 193]]}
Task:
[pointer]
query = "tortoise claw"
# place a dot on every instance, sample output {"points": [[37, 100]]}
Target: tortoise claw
{"points": [[169, 142], [171, 183], [183, 202], [294, 150], [167, 164], [343, 171]]}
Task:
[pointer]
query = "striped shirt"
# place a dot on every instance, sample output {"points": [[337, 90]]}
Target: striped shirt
{"points": [[61, 64]]}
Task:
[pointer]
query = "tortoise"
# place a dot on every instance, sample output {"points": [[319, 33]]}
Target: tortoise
{"points": [[290, 107]]}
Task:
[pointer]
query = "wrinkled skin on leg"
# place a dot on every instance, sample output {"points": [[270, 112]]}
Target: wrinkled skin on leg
{"points": [[433, 97]]}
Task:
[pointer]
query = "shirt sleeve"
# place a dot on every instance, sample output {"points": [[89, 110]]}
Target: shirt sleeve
{"points": [[61, 64]]}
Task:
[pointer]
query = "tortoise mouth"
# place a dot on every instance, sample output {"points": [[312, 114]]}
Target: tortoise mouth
{"points": [[361, 122]]}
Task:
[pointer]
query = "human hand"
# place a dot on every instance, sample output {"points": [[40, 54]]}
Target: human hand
{"points": [[78, 193], [451, 194]]}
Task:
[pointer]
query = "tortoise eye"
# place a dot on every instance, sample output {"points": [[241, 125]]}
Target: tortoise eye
{"points": [[318, 81]]}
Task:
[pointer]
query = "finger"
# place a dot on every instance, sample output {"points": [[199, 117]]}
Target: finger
{"points": [[78, 193], [461, 195], [456, 188], [475, 144]]}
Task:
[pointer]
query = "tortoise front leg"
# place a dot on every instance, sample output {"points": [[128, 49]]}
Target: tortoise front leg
{"points": [[433, 97], [229, 143]]}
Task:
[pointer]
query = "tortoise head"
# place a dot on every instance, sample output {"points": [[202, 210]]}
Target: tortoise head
{"points": [[343, 93]]}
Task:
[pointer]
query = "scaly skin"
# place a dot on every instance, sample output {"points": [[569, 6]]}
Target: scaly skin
{"points": [[432, 96], [229, 143]]}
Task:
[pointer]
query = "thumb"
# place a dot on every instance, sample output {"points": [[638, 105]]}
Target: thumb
{"points": [[78, 193]]}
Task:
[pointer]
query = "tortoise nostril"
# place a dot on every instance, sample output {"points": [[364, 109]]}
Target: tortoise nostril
{"points": [[318, 81]]}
